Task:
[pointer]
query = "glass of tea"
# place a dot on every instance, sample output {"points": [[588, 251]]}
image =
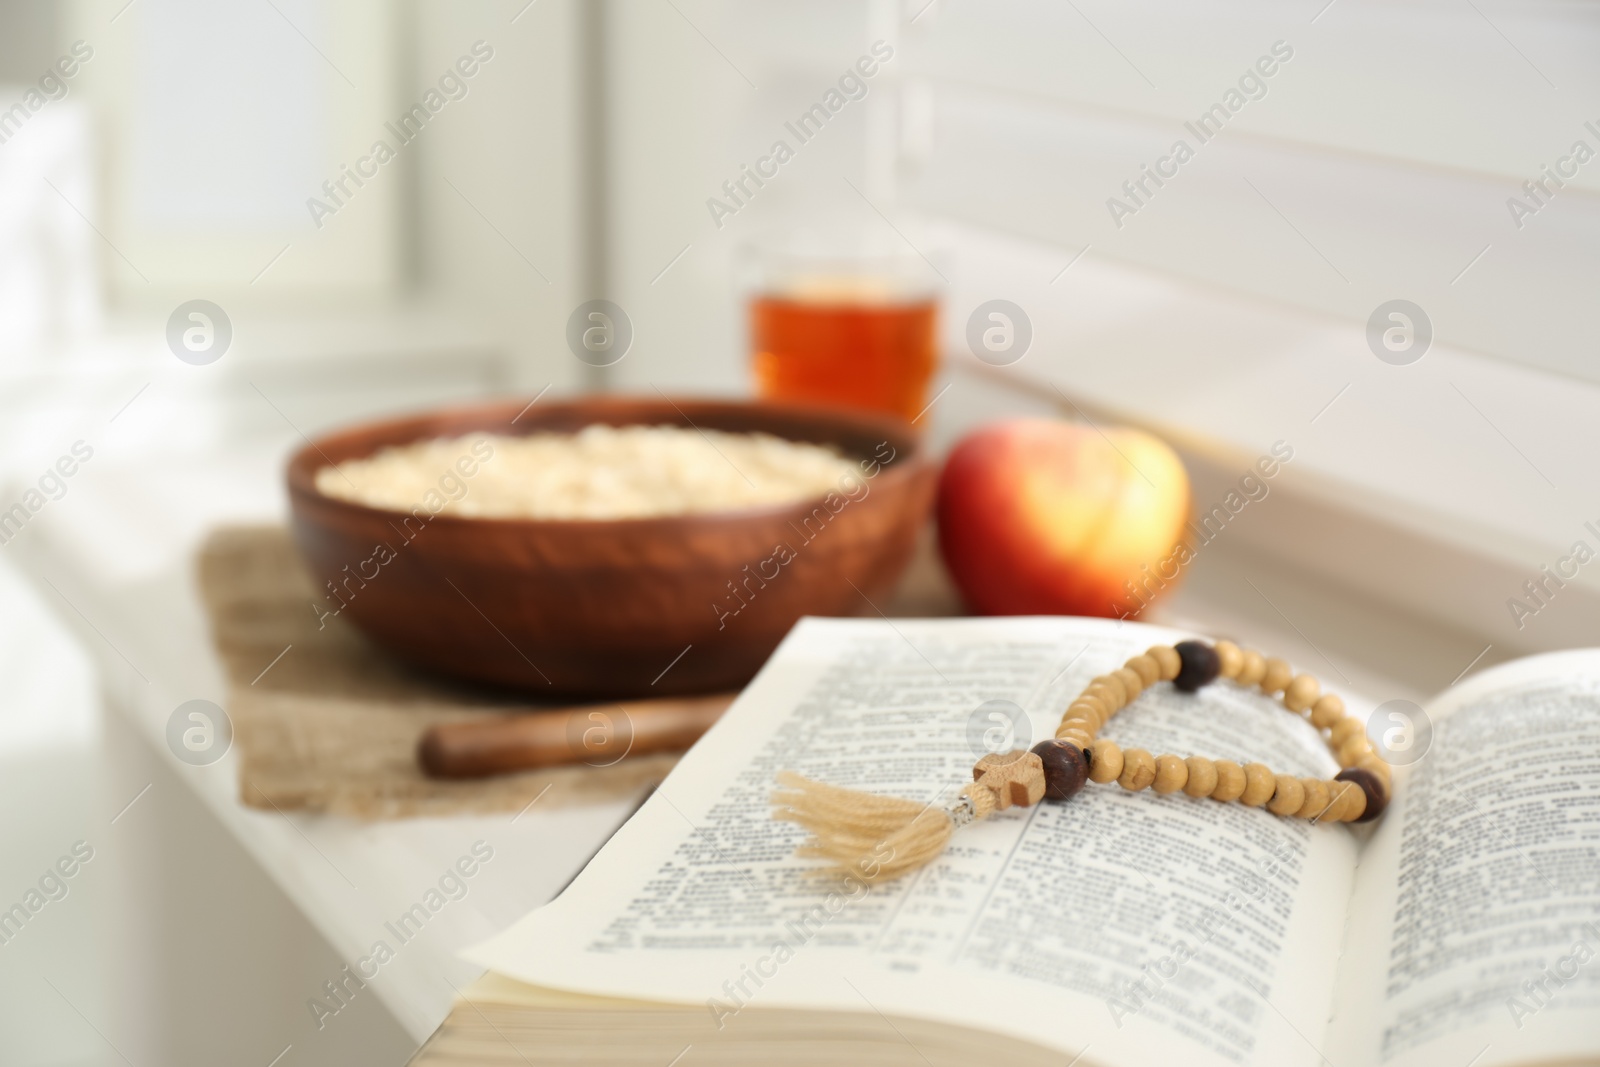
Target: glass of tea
{"points": [[841, 322]]}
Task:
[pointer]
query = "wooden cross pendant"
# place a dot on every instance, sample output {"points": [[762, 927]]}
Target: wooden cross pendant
{"points": [[1013, 777]]}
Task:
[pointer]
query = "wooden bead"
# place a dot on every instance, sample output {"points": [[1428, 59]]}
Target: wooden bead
{"points": [[1118, 693], [1131, 682], [1259, 785], [1315, 804], [1084, 708], [1078, 722], [1230, 781], [1344, 730], [1301, 694], [1287, 795], [1374, 764], [1358, 805], [1202, 776], [1348, 802], [1276, 676], [1327, 711], [1105, 762], [1229, 659], [1374, 790], [1199, 665], [1065, 768], [1081, 738], [1343, 800], [1087, 720], [1083, 699], [1353, 751], [1111, 698], [1337, 801], [1146, 667], [1076, 734], [1171, 774], [1138, 770], [1167, 658], [1251, 668]]}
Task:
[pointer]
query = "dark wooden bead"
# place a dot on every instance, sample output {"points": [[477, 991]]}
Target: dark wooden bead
{"points": [[1066, 767], [1199, 665], [1370, 784]]}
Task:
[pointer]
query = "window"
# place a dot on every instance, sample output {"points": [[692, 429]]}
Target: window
{"points": [[1434, 151]]}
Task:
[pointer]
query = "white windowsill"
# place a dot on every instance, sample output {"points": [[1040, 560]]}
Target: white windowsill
{"points": [[1423, 491]]}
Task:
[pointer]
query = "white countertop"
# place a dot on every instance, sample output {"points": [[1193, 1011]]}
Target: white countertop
{"points": [[118, 552]]}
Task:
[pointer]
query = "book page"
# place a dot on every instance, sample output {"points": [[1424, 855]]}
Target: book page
{"points": [[1475, 926], [1133, 926]]}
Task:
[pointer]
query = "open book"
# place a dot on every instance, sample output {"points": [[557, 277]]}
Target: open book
{"points": [[1119, 929]]}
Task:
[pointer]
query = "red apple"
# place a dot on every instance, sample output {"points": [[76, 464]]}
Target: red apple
{"points": [[1044, 517]]}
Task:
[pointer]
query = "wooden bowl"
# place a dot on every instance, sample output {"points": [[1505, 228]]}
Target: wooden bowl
{"points": [[631, 607]]}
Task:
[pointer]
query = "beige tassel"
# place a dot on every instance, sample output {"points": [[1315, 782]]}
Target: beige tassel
{"points": [[877, 838]]}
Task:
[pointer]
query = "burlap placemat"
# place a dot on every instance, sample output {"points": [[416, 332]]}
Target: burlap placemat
{"points": [[325, 721]]}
